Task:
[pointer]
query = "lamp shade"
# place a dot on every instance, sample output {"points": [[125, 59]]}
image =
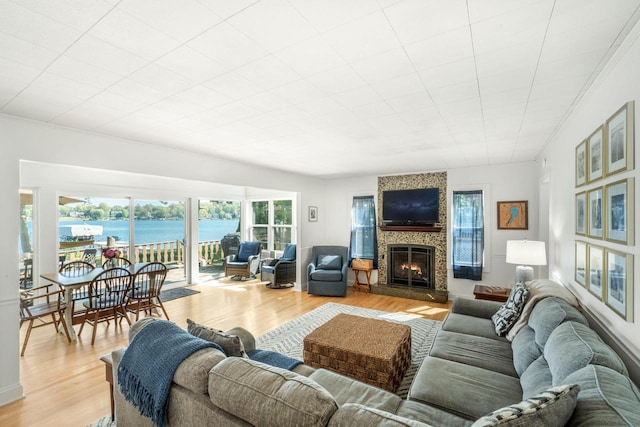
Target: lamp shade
{"points": [[526, 252]]}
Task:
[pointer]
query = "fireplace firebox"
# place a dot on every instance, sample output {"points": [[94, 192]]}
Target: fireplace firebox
{"points": [[411, 266]]}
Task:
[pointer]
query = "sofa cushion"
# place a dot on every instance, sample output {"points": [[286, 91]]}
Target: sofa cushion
{"points": [[473, 350], [525, 350], [467, 391], [536, 378], [327, 275], [430, 415], [231, 344], [471, 325], [193, 372], [259, 394], [329, 262], [573, 346], [246, 250], [289, 253], [355, 414], [507, 315], [607, 398], [548, 314], [550, 408], [346, 390]]}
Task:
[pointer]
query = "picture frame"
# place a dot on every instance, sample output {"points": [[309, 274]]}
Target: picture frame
{"points": [[513, 215], [595, 281], [313, 213], [620, 219], [595, 153], [581, 163], [595, 218], [619, 279], [620, 140], [581, 262], [581, 213]]}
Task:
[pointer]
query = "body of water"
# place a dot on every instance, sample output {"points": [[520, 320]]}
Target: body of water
{"points": [[159, 231]]}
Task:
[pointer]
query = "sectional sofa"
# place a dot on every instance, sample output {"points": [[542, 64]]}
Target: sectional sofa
{"points": [[556, 371]]}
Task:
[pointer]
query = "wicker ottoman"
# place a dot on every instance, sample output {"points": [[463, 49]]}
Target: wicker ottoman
{"points": [[373, 351]]}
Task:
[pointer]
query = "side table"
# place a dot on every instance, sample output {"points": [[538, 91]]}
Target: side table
{"points": [[367, 272], [491, 293], [108, 372]]}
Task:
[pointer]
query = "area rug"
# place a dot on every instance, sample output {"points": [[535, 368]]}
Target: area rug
{"points": [[288, 338], [175, 293]]}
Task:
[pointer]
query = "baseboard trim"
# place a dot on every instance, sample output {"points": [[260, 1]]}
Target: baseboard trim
{"points": [[11, 394]]}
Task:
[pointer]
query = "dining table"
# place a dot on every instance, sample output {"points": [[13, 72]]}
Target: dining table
{"points": [[69, 283]]}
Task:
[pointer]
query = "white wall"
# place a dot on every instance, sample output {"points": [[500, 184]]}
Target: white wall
{"points": [[503, 182], [68, 160], [617, 85]]}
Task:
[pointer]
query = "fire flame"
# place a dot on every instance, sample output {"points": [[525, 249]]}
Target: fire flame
{"points": [[415, 268]]}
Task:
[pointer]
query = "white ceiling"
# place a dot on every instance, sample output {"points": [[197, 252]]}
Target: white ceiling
{"points": [[320, 87]]}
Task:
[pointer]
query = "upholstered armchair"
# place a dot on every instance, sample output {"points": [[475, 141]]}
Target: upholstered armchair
{"points": [[239, 265], [327, 272], [280, 271]]}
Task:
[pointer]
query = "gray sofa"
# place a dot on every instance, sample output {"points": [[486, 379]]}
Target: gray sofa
{"points": [[468, 373]]}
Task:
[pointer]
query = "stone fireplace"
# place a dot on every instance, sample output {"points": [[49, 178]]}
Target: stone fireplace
{"points": [[411, 266], [418, 284]]}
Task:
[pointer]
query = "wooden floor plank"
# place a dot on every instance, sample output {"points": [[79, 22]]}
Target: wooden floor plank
{"points": [[64, 383]]}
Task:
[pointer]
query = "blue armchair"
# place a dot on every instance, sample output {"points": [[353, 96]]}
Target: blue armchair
{"points": [[327, 272], [281, 271], [239, 265]]}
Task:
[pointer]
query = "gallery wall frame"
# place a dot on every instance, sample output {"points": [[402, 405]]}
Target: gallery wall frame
{"points": [[619, 279], [313, 213], [595, 151], [581, 163], [513, 215], [595, 218], [620, 140], [620, 216], [581, 262], [595, 280], [581, 213]]}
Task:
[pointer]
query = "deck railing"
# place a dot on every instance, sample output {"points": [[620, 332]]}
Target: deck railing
{"points": [[171, 252]]}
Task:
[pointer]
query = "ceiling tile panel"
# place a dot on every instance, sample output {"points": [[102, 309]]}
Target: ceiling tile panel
{"points": [[161, 79], [77, 14], [441, 49], [311, 56], [268, 72], [191, 64], [327, 14], [384, 66]]}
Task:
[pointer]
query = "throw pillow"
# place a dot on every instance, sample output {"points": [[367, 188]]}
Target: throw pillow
{"points": [[509, 313], [329, 262], [231, 344], [552, 407]]}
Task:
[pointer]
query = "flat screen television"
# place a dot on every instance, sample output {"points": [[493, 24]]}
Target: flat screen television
{"points": [[410, 207]]}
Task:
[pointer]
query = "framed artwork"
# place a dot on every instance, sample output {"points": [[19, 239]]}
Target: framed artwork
{"points": [[581, 213], [620, 211], [595, 149], [595, 280], [313, 213], [619, 293], [620, 137], [513, 215], [581, 262], [581, 164], [594, 204]]}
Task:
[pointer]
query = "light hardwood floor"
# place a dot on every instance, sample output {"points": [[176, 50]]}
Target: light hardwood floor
{"points": [[64, 384]]}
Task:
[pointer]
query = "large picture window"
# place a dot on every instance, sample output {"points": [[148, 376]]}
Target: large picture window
{"points": [[468, 234], [272, 223]]}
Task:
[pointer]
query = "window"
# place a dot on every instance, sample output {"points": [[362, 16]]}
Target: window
{"points": [[272, 223], [364, 241], [468, 234]]}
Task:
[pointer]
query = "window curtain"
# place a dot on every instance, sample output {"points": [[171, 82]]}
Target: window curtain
{"points": [[364, 237], [468, 235]]}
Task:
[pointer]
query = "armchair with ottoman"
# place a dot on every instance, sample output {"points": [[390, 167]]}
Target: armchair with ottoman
{"points": [[555, 372], [280, 272], [327, 271]]}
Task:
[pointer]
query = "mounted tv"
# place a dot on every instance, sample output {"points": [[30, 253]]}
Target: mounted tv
{"points": [[410, 207]]}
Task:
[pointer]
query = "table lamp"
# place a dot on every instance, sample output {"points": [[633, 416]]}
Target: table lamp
{"points": [[525, 253]]}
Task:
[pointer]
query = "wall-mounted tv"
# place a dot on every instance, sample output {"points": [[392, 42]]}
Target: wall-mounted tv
{"points": [[410, 207]]}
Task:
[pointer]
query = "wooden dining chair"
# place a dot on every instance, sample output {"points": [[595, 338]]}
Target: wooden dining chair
{"points": [[116, 262], [75, 269], [106, 298], [145, 292], [38, 304]]}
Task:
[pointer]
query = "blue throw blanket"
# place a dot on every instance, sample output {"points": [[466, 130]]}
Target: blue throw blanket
{"points": [[274, 359], [147, 366]]}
